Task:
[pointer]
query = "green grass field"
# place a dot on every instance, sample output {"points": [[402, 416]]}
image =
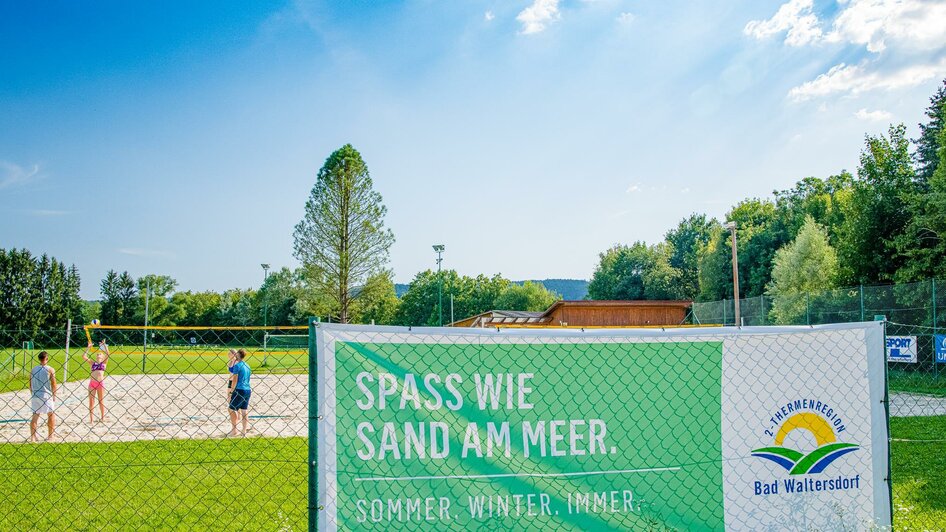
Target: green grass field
{"points": [[918, 382], [239, 484], [260, 483], [159, 360], [919, 472]]}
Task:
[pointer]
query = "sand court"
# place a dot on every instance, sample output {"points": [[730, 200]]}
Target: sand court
{"points": [[163, 407]]}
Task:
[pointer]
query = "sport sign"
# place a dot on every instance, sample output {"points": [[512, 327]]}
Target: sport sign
{"points": [[901, 349], [707, 429]]}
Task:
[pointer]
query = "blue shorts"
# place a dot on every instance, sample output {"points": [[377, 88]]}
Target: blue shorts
{"points": [[240, 399]]}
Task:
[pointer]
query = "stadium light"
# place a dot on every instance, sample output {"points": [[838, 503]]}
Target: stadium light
{"points": [[438, 249], [265, 294], [735, 272]]}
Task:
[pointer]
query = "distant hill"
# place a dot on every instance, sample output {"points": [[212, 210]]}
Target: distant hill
{"points": [[570, 289]]}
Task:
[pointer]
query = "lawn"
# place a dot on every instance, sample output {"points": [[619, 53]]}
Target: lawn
{"points": [[260, 483], [127, 360], [918, 382], [237, 484], [919, 472]]}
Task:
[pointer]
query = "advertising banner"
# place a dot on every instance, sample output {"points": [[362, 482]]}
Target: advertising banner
{"points": [[939, 342], [696, 429], [901, 349]]}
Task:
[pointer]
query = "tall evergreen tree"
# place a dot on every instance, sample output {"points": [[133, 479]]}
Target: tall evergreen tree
{"points": [[342, 234], [927, 146]]}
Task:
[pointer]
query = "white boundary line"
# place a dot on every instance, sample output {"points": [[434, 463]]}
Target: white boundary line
{"points": [[519, 475]]}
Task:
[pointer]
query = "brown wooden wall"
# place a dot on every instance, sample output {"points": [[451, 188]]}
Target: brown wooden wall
{"points": [[616, 316]]}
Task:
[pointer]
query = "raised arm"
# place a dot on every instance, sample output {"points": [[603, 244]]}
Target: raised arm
{"points": [[85, 355], [105, 350]]}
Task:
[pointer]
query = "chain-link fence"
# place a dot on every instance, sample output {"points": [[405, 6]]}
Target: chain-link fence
{"points": [[146, 429], [686, 429], [162, 457], [920, 303]]}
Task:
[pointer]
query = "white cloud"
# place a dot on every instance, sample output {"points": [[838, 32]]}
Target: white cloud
{"points": [[537, 16], [626, 18], [873, 116], [634, 188], [488, 16], [914, 23], [14, 174], [855, 79], [144, 252], [685, 190], [795, 17]]}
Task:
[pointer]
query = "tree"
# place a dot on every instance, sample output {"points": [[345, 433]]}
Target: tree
{"points": [[808, 264], [377, 302], [471, 295], [342, 233], [37, 292], [160, 305], [922, 246], [686, 240], [928, 146], [879, 210], [526, 296], [635, 272]]}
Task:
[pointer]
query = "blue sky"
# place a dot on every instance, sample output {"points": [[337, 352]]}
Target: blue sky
{"points": [[182, 138]]}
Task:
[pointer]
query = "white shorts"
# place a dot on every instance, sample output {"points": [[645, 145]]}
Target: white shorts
{"points": [[43, 406]]}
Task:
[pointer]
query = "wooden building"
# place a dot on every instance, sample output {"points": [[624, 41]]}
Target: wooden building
{"points": [[586, 314]]}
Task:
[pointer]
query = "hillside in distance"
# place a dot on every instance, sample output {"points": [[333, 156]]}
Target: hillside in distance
{"points": [[569, 289]]}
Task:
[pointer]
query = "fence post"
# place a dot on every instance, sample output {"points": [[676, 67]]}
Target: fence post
{"points": [[862, 301], [935, 363], [724, 311], [313, 429], [762, 309], [808, 308], [65, 369]]}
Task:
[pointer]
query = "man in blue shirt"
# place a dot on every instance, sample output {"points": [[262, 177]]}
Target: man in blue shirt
{"points": [[238, 394]]}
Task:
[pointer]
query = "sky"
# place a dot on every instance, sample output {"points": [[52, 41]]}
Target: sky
{"points": [[182, 138]]}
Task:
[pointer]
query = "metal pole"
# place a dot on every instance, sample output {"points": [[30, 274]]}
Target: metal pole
{"points": [[808, 308], [762, 308], [862, 302], [265, 292], [935, 363], [724, 311], [438, 248], [735, 275], [144, 351], [451, 309], [65, 369], [314, 506]]}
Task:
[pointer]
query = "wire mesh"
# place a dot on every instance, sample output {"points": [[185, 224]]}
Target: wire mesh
{"points": [[163, 458], [147, 441]]}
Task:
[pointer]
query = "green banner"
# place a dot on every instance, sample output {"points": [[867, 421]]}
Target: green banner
{"points": [[580, 436]]}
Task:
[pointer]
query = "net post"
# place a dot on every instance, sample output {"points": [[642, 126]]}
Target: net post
{"points": [[313, 428], [65, 369]]}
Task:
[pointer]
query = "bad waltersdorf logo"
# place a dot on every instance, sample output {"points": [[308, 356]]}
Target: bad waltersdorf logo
{"points": [[825, 425]]}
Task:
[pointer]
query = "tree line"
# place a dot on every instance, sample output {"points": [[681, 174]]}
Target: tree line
{"points": [[884, 224]]}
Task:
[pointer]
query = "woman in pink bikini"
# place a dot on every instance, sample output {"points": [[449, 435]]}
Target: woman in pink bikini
{"points": [[97, 380]]}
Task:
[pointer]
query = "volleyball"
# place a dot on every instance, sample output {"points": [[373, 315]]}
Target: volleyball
{"points": [[96, 323]]}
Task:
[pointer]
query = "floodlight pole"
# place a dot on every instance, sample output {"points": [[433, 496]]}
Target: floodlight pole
{"points": [[438, 248], [265, 293], [735, 273]]}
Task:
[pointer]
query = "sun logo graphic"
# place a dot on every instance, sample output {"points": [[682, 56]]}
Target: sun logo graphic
{"points": [[798, 463]]}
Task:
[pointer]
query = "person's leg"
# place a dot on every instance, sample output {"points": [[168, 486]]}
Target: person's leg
{"points": [[91, 404], [246, 420], [101, 391], [52, 426], [33, 427], [233, 422]]}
